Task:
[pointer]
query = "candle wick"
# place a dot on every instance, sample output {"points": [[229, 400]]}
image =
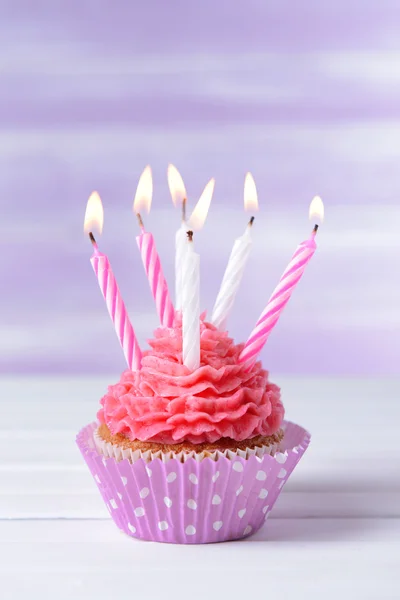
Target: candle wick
{"points": [[92, 239], [315, 229], [190, 236], [251, 221], [184, 210], [139, 218]]}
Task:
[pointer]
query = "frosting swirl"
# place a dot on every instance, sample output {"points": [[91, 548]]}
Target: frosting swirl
{"points": [[167, 403]]}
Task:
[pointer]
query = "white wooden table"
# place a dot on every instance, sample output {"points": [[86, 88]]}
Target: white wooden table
{"points": [[335, 530]]}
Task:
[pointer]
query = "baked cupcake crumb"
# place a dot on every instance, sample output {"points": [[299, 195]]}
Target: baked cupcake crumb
{"points": [[223, 444]]}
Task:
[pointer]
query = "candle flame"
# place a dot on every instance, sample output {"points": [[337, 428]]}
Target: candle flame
{"points": [[316, 211], [176, 185], [250, 193], [144, 192], [200, 211], [94, 215]]}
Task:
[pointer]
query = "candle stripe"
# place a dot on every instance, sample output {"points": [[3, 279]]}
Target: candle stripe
{"points": [[301, 259], [117, 310], [284, 293], [113, 302], [280, 297], [158, 284], [120, 320]]}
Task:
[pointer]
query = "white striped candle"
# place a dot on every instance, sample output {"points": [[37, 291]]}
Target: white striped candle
{"points": [[191, 307], [237, 261]]}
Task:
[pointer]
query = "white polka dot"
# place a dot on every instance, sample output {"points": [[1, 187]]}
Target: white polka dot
{"points": [[216, 499], [263, 493], [167, 502], [193, 478], [163, 525], [265, 508], [171, 477], [239, 490], [261, 475], [248, 530], [237, 466], [259, 458], [144, 492], [139, 512], [295, 450], [190, 530], [241, 513], [124, 480], [282, 473], [217, 525], [97, 478], [131, 528], [192, 504], [215, 477], [280, 458], [149, 471], [113, 503], [119, 495]]}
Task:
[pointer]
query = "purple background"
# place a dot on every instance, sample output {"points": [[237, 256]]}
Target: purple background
{"points": [[306, 95]]}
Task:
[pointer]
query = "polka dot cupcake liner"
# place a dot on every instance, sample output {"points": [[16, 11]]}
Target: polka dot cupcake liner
{"points": [[193, 502]]}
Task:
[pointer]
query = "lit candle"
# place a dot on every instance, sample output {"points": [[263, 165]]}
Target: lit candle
{"points": [[191, 307], [197, 218], [282, 292], [237, 261], [149, 254], [191, 284], [109, 288], [178, 193]]}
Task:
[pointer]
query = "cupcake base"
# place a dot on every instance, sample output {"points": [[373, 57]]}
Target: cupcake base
{"points": [[120, 447], [194, 501]]}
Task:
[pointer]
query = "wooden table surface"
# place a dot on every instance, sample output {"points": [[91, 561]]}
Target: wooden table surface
{"points": [[335, 529]]}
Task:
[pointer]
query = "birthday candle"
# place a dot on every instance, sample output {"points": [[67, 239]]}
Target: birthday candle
{"points": [[180, 253], [178, 194], [109, 288], [149, 254], [191, 307], [196, 221], [237, 261], [191, 285], [282, 292]]}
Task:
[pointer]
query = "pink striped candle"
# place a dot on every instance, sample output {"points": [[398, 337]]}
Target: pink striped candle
{"points": [[116, 307], [158, 284], [109, 288], [281, 294], [149, 254]]}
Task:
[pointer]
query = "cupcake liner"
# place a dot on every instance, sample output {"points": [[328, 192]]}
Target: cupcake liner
{"points": [[193, 502], [114, 451]]}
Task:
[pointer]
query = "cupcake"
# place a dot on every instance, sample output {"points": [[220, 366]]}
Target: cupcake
{"points": [[186, 456]]}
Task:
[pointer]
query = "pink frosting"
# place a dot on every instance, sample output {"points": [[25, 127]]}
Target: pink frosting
{"points": [[166, 403]]}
